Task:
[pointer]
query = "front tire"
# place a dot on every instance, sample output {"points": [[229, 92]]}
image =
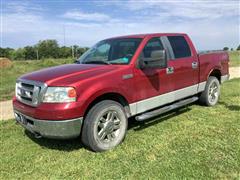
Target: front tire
{"points": [[105, 126], [210, 95]]}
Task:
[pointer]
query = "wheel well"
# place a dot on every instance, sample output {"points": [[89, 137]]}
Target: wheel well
{"points": [[111, 96], [216, 73]]}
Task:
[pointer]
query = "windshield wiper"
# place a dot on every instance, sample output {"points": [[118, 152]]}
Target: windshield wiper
{"points": [[97, 62]]}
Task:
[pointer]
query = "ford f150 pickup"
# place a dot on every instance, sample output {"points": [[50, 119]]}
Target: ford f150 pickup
{"points": [[139, 76]]}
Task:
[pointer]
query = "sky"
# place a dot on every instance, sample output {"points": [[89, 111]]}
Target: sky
{"points": [[211, 24]]}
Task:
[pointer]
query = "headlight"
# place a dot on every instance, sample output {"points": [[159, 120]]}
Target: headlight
{"points": [[60, 95]]}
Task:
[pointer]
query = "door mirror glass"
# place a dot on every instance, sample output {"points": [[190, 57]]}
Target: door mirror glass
{"points": [[153, 55], [157, 59]]}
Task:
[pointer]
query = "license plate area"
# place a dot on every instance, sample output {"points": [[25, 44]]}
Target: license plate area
{"points": [[21, 119]]}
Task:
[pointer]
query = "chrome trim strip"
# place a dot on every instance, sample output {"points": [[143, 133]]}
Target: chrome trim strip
{"points": [[153, 102], [133, 109], [62, 129], [127, 76], [225, 78], [201, 86]]}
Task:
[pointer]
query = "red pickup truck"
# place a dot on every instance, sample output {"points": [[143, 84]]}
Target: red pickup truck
{"points": [[139, 76]]}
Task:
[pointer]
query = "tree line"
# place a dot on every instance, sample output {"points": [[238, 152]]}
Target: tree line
{"points": [[43, 49], [49, 49], [231, 49]]}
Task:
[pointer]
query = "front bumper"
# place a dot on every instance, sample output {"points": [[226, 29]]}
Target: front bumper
{"points": [[64, 129]]}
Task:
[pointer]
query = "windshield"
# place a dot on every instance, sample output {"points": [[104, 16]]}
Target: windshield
{"points": [[112, 51]]}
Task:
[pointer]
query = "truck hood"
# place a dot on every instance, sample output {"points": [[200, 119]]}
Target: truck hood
{"points": [[68, 74]]}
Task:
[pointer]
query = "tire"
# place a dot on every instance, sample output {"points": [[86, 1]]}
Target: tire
{"points": [[105, 126], [210, 96]]}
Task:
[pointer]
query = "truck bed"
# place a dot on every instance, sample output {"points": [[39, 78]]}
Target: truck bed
{"points": [[209, 60]]}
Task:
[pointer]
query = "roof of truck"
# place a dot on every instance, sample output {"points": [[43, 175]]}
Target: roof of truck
{"points": [[145, 35]]}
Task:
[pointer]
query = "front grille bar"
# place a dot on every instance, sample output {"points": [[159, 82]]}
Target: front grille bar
{"points": [[30, 92]]}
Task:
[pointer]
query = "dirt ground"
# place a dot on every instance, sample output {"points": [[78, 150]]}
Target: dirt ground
{"points": [[6, 111]]}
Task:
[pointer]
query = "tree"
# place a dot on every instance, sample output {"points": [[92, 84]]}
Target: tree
{"points": [[48, 49], [64, 52], [18, 54], [30, 53], [225, 48], [238, 48], [79, 50], [5, 52]]}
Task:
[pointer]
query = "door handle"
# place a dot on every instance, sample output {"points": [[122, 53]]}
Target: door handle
{"points": [[170, 70], [194, 65]]}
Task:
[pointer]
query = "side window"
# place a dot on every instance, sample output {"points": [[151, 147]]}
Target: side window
{"points": [[123, 49], [180, 46], [152, 45], [102, 51]]}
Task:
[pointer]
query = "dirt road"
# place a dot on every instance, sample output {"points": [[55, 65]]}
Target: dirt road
{"points": [[6, 111]]}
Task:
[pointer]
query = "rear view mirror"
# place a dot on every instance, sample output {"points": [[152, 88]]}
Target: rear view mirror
{"points": [[156, 60]]}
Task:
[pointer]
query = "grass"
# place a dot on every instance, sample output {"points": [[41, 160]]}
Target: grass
{"points": [[234, 57], [195, 142], [9, 75]]}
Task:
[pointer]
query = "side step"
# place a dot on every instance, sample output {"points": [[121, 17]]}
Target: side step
{"points": [[164, 109]]}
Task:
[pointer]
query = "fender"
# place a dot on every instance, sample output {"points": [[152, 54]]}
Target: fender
{"points": [[87, 98], [218, 68]]}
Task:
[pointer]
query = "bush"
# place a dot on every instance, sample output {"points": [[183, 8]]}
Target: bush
{"points": [[225, 48]]}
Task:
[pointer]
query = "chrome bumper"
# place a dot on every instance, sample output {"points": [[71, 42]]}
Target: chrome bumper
{"points": [[64, 129], [225, 78]]}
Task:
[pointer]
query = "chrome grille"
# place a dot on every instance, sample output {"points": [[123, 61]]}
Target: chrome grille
{"points": [[29, 92]]}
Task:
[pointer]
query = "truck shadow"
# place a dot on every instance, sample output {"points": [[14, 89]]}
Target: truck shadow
{"points": [[230, 107], [62, 145], [75, 144]]}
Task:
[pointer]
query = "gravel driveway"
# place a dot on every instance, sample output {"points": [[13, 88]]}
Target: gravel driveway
{"points": [[6, 111]]}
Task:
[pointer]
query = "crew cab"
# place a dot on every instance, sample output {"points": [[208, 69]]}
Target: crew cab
{"points": [[139, 76]]}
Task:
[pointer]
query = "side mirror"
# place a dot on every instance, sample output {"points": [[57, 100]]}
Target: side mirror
{"points": [[156, 60]]}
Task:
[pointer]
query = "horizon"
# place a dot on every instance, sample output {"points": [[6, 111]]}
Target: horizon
{"points": [[210, 24]]}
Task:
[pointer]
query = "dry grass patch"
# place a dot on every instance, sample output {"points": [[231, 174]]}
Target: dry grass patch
{"points": [[5, 62]]}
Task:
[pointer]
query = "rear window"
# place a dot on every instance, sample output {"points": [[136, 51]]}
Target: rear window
{"points": [[180, 46]]}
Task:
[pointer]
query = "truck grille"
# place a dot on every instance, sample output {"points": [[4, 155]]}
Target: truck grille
{"points": [[29, 92]]}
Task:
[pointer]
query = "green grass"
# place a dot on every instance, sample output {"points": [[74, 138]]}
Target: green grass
{"points": [[234, 57], [9, 75], [196, 142]]}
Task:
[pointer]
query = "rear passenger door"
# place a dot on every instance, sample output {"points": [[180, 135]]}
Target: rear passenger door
{"points": [[183, 65]]}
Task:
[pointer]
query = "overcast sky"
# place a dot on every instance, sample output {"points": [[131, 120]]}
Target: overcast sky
{"points": [[211, 24]]}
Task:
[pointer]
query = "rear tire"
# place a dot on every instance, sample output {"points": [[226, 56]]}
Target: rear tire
{"points": [[210, 95], [105, 126]]}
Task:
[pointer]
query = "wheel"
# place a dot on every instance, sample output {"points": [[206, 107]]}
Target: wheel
{"points": [[210, 95], [105, 126]]}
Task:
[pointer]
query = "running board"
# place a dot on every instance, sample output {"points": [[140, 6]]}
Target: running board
{"points": [[164, 109]]}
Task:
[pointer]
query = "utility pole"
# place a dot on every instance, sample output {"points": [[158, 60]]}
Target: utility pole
{"points": [[76, 53], [37, 53], [72, 52]]}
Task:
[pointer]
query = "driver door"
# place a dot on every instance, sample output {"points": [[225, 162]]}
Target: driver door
{"points": [[150, 82]]}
